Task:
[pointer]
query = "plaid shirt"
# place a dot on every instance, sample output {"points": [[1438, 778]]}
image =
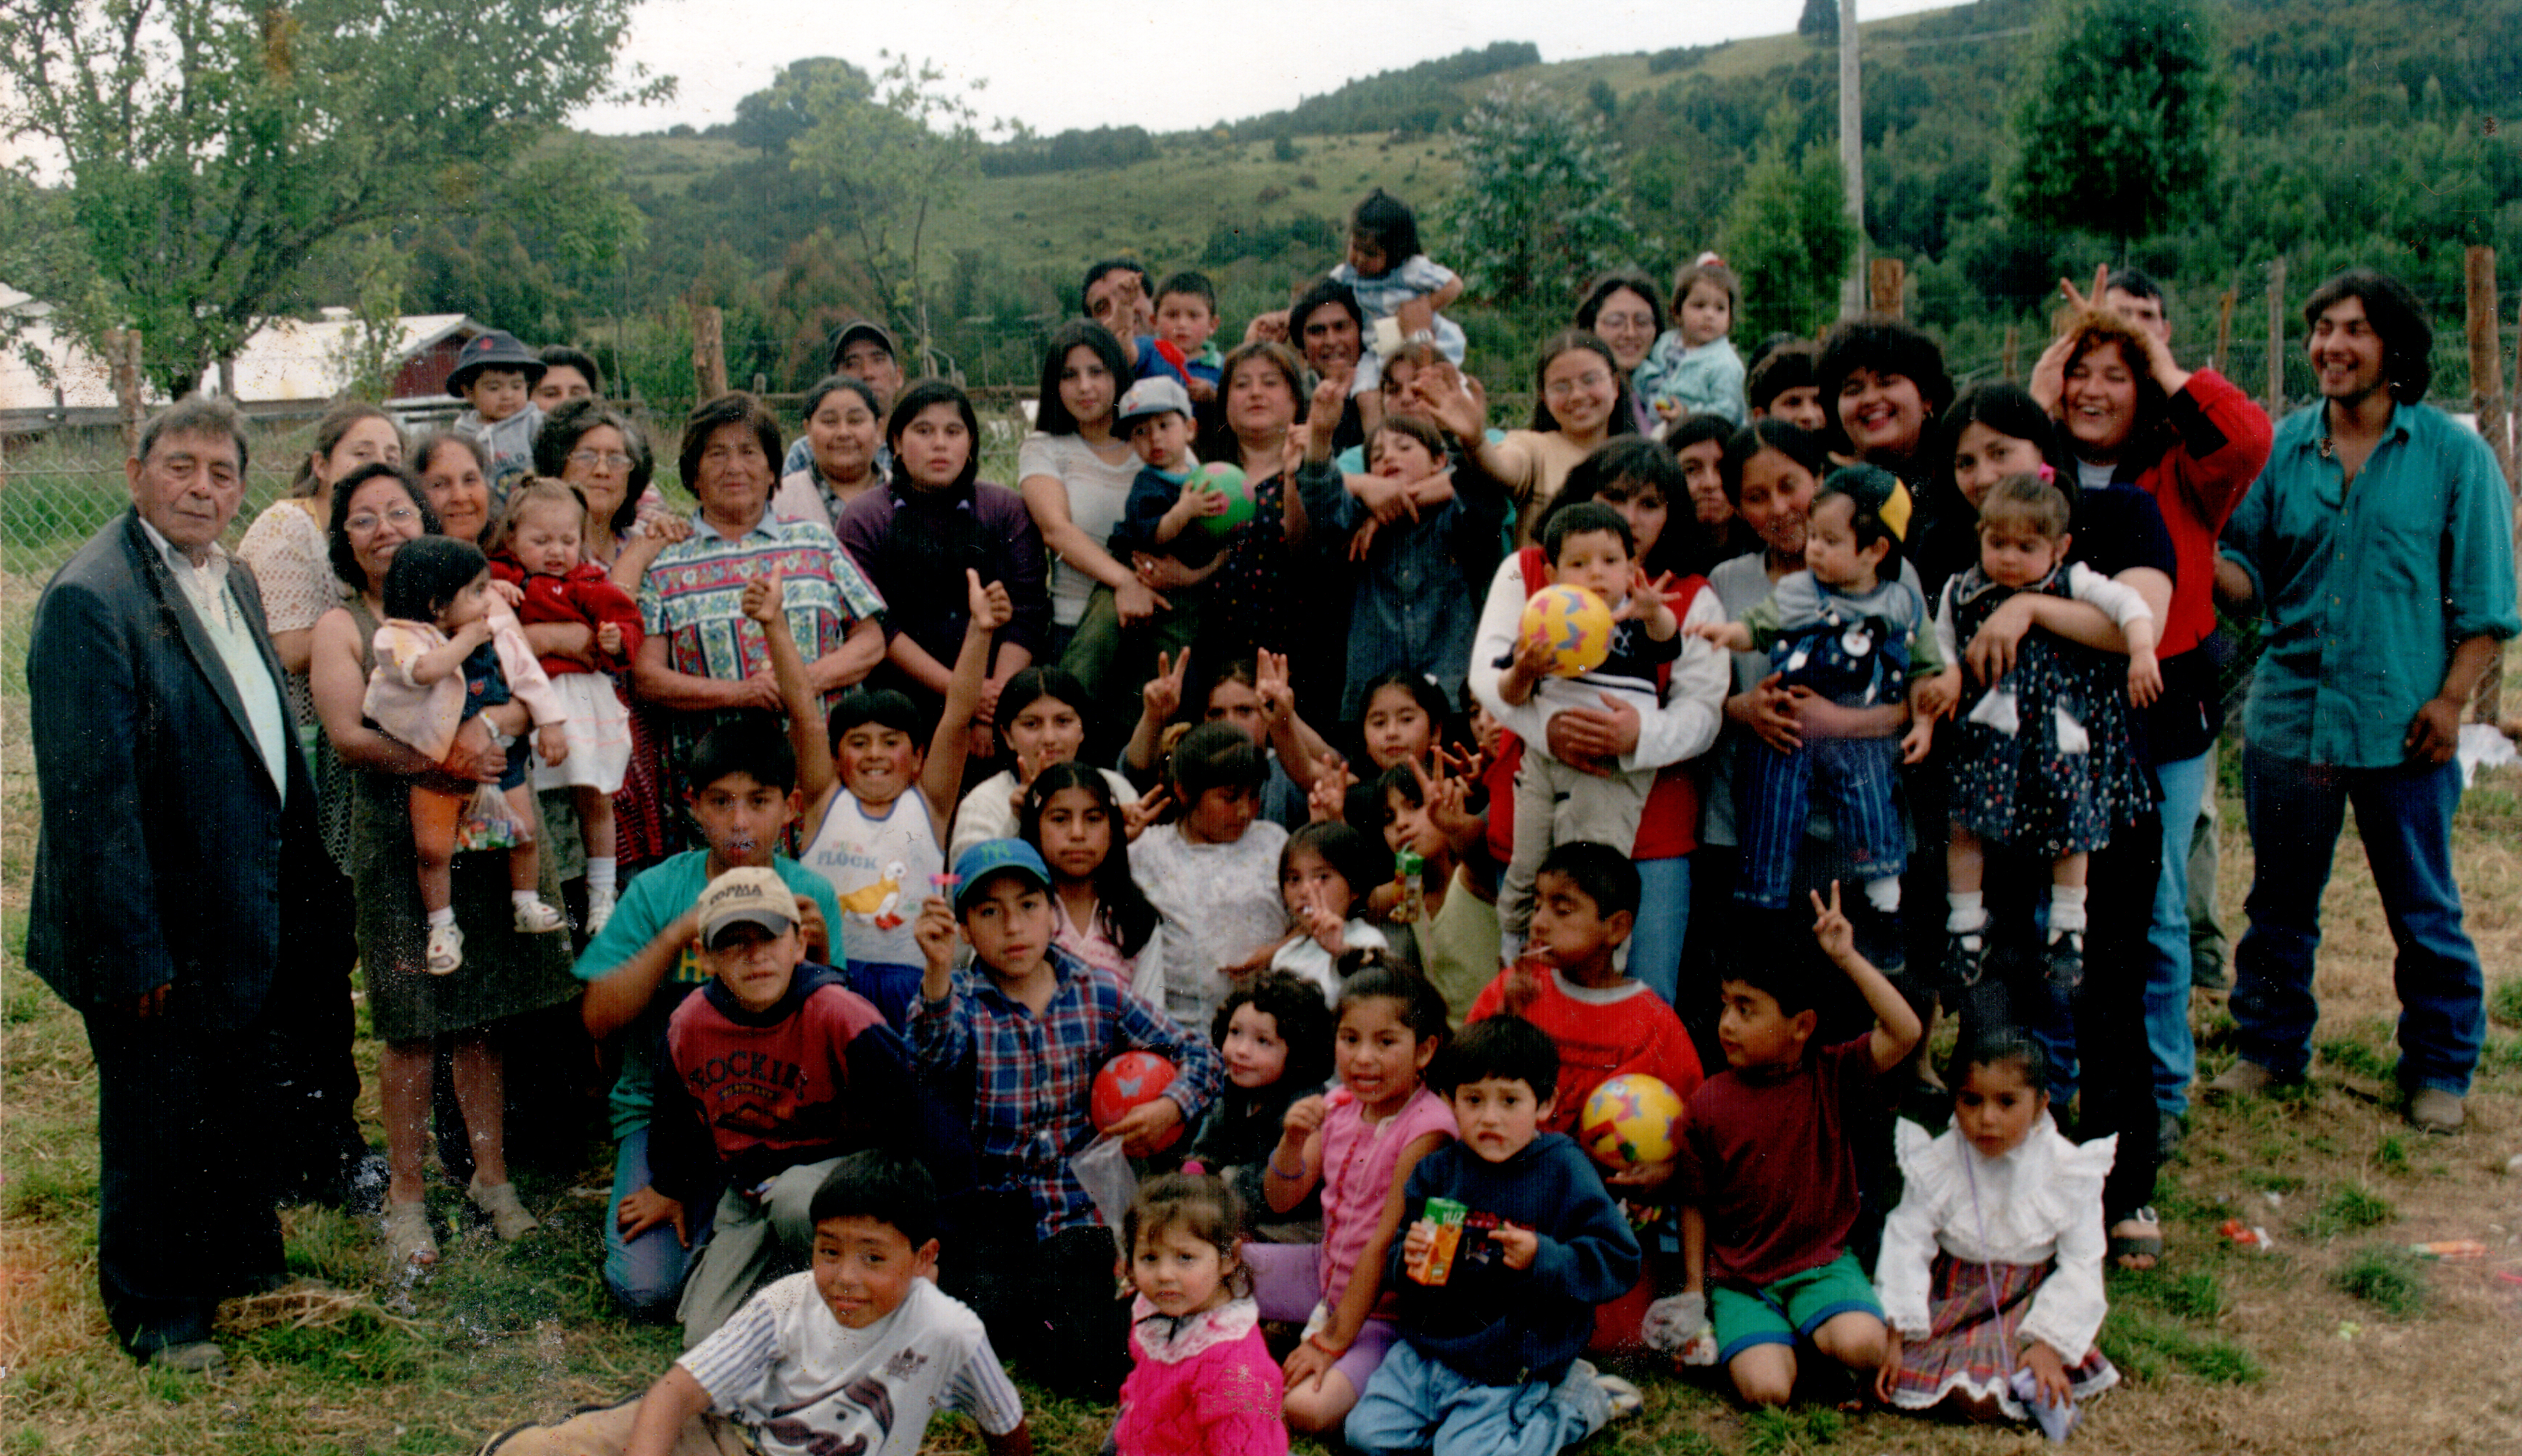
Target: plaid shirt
{"points": [[1031, 1074]]}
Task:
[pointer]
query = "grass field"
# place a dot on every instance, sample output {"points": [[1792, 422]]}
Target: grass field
{"points": [[2333, 1341]]}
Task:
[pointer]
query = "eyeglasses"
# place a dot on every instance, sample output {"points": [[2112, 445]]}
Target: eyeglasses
{"points": [[400, 515], [600, 459], [1562, 389]]}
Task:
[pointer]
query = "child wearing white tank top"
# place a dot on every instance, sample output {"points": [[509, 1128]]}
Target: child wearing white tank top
{"points": [[876, 806]]}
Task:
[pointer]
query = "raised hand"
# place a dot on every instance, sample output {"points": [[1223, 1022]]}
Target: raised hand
{"points": [[990, 606], [1144, 811], [762, 599], [1162, 696]]}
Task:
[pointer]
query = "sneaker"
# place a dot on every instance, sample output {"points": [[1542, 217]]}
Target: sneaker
{"points": [[2063, 962], [599, 909], [508, 1217], [2431, 1109], [538, 918], [1965, 957], [445, 950], [1626, 1397]]}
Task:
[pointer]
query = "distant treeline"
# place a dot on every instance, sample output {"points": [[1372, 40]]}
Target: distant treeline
{"points": [[1069, 151], [1414, 101]]}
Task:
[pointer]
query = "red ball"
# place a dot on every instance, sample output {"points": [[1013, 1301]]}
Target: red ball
{"points": [[1126, 1083]]}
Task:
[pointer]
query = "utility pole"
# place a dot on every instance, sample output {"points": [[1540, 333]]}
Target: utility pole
{"points": [[1851, 156]]}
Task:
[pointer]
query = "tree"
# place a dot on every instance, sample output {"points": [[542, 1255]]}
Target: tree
{"points": [[2120, 131], [207, 152], [1788, 239], [891, 158], [1819, 21], [776, 116], [1542, 205]]}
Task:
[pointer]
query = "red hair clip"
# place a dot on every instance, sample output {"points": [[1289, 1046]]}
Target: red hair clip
{"points": [[2048, 474]]}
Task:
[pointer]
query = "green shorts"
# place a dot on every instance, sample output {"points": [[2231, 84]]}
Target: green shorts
{"points": [[1791, 1310]]}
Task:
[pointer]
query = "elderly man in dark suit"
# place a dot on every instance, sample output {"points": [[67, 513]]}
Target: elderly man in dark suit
{"points": [[178, 822]]}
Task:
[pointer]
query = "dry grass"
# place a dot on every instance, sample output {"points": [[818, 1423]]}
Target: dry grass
{"points": [[2227, 1350]]}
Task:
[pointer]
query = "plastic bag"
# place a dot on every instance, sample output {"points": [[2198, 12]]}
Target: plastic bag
{"points": [[1103, 1170], [488, 823], [1678, 1325]]}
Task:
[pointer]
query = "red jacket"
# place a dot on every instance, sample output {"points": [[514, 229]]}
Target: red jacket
{"points": [[585, 594]]}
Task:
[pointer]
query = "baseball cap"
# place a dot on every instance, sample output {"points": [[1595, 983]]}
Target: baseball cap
{"points": [[861, 328], [996, 856], [1153, 395], [748, 895]]}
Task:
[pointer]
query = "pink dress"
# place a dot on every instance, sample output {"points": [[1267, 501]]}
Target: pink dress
{"points": [[1201, 1385], [1358, 1161]]}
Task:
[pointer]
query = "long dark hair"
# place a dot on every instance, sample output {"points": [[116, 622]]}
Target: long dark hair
{"points": [[1622, 467], [2407, 339], [337, 532], [1123, 914], [1051, 412], [1949, 546]]}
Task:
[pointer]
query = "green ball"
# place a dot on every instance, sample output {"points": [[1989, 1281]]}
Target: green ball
{"points": [[1228, 478]]}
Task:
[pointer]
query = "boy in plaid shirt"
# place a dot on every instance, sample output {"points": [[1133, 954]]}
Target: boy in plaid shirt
{"points": [[1021, 1035]]}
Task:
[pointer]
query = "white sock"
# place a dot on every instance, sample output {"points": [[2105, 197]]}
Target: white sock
{"points": [[525, 899], [1968, 911], [599, 874], [2066, 910], [1884, 894], [438, 917]]}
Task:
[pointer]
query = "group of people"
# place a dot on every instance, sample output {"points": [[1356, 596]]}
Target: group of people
{"points": [[893, 807]]}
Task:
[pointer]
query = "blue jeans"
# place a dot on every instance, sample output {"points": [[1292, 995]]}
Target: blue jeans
{"points": [[1418, 1404], [1856, 777], [1663, 918], [646, 1274], [2404, 816], [2167, 974]]}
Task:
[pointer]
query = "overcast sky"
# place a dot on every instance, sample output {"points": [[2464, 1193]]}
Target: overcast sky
{"points": [[1165, 64]]}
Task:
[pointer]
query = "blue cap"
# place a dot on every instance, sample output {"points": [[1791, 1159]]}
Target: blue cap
{"points": [[994, 857]]}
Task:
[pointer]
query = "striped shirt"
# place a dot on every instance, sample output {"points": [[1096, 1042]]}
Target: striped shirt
{"points": [[1031, 1074]]}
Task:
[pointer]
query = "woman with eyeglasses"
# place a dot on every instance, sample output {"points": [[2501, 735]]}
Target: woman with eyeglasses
{"points": [[1580, 399], [377, 510]]}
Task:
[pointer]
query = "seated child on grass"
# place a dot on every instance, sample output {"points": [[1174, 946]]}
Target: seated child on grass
{"points": [[1767, 1164], [852, 1355], [1018, 1038], [1275, 1035], [778, 1069], [1496, 1308], [1202, 1382], [1992, 1266]]}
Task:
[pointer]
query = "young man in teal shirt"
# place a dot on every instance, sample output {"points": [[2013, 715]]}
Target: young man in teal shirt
{"points": [[2379, 545]]}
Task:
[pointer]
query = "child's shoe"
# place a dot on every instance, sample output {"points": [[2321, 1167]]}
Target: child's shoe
{"points": [[445, 950], [408, 1242], [1626, 1397], [535, 917], [599, 909], [2063, 963], [1965, 957], [508, 1217]]}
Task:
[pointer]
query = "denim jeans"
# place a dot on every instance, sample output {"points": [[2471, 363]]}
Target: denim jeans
{"points": [[2167, 974], [1663, 921], [2404, 815], [646, 1274]]}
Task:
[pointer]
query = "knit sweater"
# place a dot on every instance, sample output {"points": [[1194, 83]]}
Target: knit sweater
{"points": [[1202, 1385], [1508, 1326]]}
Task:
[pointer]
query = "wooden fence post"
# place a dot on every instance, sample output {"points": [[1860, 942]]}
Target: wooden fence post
{"points": [[2488, 398], [2012, 352], [2223, 329], [123, 358], [1884, 277], [2275, 401], [709, 349]]}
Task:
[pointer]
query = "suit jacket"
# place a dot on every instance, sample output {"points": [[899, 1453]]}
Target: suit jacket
{"points": [[165, 849]]}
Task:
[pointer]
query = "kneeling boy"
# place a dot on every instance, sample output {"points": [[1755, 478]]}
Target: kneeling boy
{"points": [[851, 1355], [779, 1070], [1486, 1364]]}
